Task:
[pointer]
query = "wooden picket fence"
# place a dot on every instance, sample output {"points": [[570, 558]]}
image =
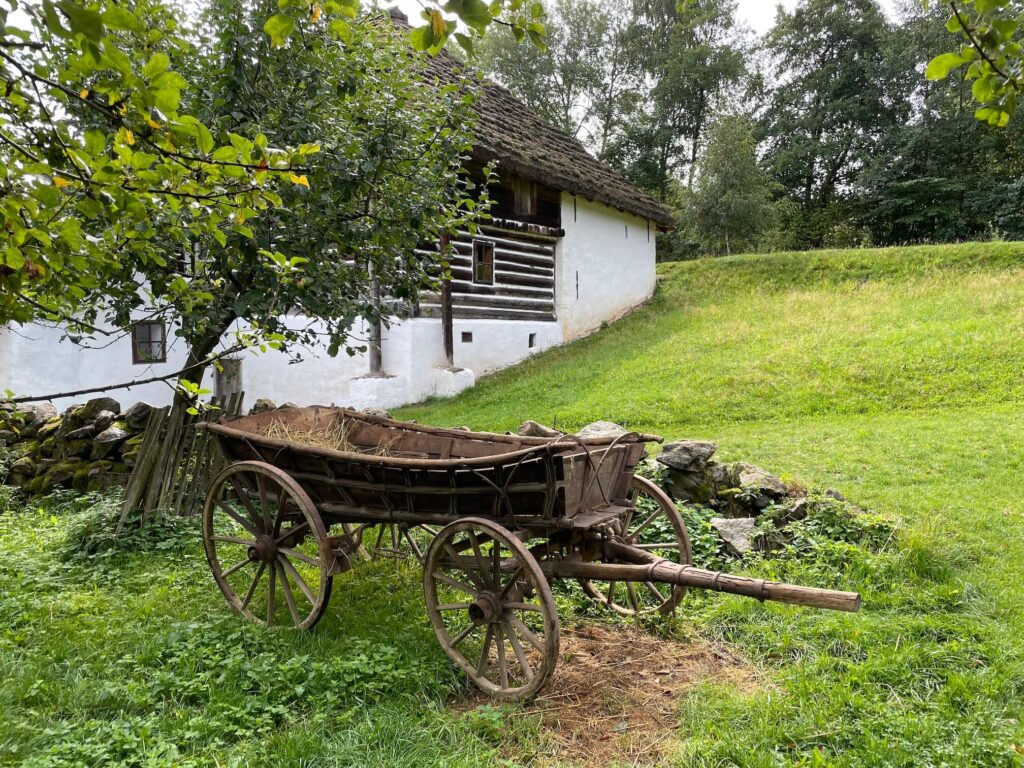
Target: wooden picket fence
{"points": [[176, 461]]}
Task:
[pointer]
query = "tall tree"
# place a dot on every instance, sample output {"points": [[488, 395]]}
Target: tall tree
{"points": [[731, 199], [836, 93], [689, 54], [580, 81]]}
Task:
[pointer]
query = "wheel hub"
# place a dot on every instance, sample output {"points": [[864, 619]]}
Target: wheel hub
{"points": [[263, 550], [486, 609]]}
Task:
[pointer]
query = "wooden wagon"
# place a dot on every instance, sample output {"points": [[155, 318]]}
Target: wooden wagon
{"points": [[493, 518]]}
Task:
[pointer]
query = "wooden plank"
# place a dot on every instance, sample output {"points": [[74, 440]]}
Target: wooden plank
{"points": [[529, 247], [513, 292], [148, 455], [480, 313], [499, 302]]}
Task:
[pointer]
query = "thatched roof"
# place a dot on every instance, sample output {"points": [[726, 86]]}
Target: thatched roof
{"points": [[526, 145]]}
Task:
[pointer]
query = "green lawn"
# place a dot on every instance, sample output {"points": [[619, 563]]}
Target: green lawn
{"points": [[896, 376]]}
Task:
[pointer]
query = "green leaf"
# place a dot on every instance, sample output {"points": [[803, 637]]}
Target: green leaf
{"points": [[13, 258], [204, 139], [940, 66], [158, 63], [422, 38], [466, 42], [342, 30], [82, 20], [279, 27], [476, 15]]}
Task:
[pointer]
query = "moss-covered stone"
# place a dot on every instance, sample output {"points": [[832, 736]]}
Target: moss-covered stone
{"points": [[50, 428], [78, 448], [48, 447]]}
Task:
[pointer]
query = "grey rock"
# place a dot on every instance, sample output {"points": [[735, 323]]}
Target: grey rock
{"points": [[8, 437], [289, 404], [687, 455], [262, 405], [374, 412], [601, 429], [103, 420], [40, 411], [832, 493], [137, 415], [797, 510], [535, 429], [737, 533], [107, 441], [82, 433], [752, 478], [93, 407]]}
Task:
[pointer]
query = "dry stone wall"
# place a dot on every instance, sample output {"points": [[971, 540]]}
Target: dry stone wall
{"points": [[89, 447]]}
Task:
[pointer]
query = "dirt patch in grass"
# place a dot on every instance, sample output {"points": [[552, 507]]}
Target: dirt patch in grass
{"points": [[614, 697]]}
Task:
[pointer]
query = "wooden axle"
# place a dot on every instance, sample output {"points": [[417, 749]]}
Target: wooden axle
{"points": [[648, 568]]}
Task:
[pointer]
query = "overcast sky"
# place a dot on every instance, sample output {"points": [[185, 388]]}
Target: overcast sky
{"points": [[756, 14]]}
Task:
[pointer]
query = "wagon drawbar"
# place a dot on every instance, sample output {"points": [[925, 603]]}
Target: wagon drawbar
{"points": [[493, 518]]}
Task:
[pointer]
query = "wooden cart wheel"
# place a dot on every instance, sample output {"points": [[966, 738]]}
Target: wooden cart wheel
{"points": [[266, 545], [491, 608], [654, 524]]}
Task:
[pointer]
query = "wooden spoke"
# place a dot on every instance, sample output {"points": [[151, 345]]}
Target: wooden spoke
{"points": [[511, 582], [247, 524], [524, 607], [463, 634], [271, 595], [454, 607], [283, 503], [476, 551], [517, 648], [299, 582], [502, 665], [236, 567], [243, 496], [485, 652], [633, 599], [458, 561], [526, 632], [654, 516], [296, 555], [232, 540], [289, 598], [264, 503], [252, 587], [493, 609], [459, 585], [294, 530], [653, 589], [650, 504]]}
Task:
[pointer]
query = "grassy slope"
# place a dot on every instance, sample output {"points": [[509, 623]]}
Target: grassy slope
{"points": [[896, 375], [892, 375]]}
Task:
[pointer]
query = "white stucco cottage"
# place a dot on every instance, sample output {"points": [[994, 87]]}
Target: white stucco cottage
{"points": [[571, 245]]}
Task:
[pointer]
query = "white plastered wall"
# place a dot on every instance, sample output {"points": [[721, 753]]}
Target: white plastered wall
{"points": [[605, 265]]}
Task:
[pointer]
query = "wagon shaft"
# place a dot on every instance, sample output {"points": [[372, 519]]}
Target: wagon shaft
{"points": [[647, 568]]}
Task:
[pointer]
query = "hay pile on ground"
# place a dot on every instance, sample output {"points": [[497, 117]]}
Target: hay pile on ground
{"points": [[614, 697]]}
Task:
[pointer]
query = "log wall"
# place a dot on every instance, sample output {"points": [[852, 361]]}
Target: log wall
{"points": [[524, 275]]}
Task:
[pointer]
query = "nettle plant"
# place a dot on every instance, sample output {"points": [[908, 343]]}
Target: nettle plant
{"points": [[266, 161]]}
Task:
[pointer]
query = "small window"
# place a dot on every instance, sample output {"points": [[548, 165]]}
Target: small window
{"points": [[467, 337], [533, 340], [149, 343], [483, 262]]}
